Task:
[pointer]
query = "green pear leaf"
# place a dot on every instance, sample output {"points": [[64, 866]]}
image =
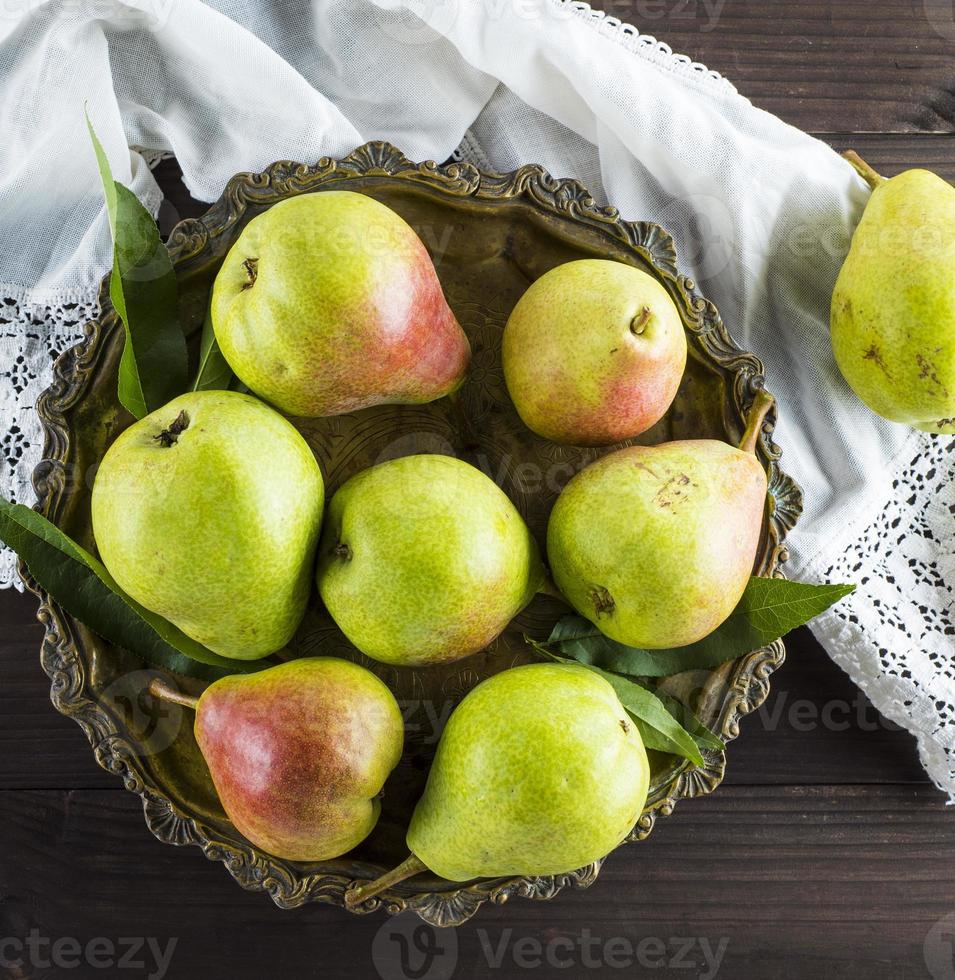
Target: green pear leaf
{"points": [[702, 735], [214, 370], [657, 726], [769, 609], [85, 589], [154, 367]]}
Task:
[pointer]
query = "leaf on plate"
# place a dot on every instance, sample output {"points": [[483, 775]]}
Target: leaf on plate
{"points": [[85, 589], [142, 286], [578, 638], [657, 726], [214, 371], [702, 735], [769, 608]]}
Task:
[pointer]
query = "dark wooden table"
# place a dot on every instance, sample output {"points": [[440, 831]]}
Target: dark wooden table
{"points": [[825, 853]]}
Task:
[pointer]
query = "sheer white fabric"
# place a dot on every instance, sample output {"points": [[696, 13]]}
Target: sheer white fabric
{"points": [[761, 214]]}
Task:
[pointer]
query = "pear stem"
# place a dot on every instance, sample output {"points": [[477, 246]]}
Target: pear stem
{"points": [[357, 894], [755, 418], [867, 173], [159, 688]]}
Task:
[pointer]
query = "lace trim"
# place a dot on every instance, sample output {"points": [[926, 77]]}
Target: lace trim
{"points": [[153, 157], [33, 333], [895, 636], [470, 151], [645, 45]]}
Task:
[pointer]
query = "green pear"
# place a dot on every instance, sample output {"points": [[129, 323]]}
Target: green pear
{"points": [[424, 560], [893, 308], [329, 302], [208, 512], [539, 771], [299, 753], [655, 544], [593, 353]]}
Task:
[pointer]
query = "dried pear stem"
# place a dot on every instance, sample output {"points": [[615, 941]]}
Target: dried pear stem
{"points": [[412, 865], [863, 169], [755, 418], [159, 688]]}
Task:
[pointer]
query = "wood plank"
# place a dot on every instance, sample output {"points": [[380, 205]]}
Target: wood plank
{"points": [[787, 881], [891, 154], [823, 65], [818, 727], [38, 746]]}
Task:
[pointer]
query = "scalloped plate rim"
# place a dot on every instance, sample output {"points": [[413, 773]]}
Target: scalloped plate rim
{"points": [[288, 886]]}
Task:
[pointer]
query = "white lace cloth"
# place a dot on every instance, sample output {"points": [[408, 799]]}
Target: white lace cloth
{"points": [[32, 336], [761, 214]]}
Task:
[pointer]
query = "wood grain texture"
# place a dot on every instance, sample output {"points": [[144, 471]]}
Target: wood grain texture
{"points": [[891, 154], [825, 853], [38, 747], [840, 881], [828, 67]]}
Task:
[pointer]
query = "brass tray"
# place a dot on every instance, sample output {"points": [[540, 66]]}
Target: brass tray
{"points": [[490, 235]]}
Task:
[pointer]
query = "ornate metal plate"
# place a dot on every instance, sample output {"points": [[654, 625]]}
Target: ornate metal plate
{"points": [[490, 235]]}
